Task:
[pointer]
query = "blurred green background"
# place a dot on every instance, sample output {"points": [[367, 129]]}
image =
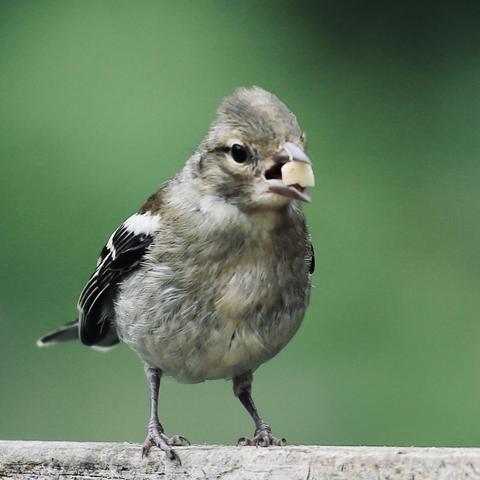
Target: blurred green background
{"points": [[101, 101]]}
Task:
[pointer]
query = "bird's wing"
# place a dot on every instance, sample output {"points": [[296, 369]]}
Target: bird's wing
{"points": [[123, 253], [312, 259]]}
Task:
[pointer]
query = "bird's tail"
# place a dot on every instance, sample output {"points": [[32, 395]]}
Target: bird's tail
{"points": [[62, 334]]}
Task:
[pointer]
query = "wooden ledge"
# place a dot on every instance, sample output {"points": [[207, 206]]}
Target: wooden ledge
{"points": [[71, 460]]}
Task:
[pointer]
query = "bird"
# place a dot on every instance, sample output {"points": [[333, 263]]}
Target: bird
{"points": [[211, 277]]}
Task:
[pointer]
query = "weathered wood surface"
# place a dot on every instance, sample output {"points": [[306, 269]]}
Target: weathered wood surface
{"points": [[69, 460]]}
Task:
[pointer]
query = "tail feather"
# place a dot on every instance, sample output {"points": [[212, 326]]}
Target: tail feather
{"points": [[62, 334]]}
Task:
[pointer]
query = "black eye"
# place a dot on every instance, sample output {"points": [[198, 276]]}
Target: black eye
{"points": [[238, 152]]}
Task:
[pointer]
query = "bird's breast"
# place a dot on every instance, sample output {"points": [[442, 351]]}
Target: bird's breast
{"points": [[214, 314]]}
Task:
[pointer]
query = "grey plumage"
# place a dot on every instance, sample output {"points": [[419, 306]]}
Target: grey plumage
{"points": [[218, 294], [215, 277]]}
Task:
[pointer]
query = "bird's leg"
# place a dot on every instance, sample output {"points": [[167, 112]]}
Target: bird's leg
{"points": [[155, 433], [242, 387]]}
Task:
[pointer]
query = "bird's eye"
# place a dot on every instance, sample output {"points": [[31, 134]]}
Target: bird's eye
{"points": [[238, 152]]}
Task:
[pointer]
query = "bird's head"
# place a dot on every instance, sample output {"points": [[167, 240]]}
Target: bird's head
{"points": [[241, 158]]}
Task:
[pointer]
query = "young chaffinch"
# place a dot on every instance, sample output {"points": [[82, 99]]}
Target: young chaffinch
{"points": [[212, 276]]}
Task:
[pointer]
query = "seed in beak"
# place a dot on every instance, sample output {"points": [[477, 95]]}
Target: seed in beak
{"points": [[298, 173]]}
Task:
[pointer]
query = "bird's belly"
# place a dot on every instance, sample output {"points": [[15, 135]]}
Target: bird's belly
{"points": [[224, 352], [193, 336], [205, 348]]}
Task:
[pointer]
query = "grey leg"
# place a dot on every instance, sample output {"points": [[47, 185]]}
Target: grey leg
{"points": [[242, 387], [155, 432]]}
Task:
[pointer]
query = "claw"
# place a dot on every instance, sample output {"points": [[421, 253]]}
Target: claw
{"points": [[244, 442], [179, 441], [164, 443], [145, 450], [262, 438], [173, 455]]}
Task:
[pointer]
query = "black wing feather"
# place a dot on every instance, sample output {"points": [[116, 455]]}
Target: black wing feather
{"points": [[312, 259], [122, 254]]}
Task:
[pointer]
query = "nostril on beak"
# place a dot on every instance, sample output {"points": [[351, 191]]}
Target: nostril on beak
{"points": [[291, 153]]}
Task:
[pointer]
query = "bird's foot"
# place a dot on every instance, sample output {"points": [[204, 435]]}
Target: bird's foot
{"points": [[262, 438], [156, 437]]}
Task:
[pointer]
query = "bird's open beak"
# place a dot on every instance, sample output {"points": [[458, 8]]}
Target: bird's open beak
{"points": [[291, 152], [273, 175]]}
